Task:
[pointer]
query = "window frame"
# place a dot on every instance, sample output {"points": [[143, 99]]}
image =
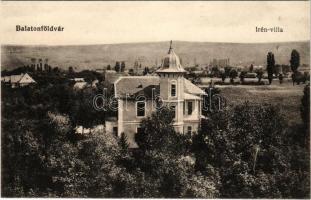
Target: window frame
{"points": [[173, 82], [173, 106], [137, 111], [189, 102]]}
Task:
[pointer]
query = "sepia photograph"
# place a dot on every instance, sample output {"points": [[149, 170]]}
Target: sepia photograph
{"points": [[155, 99]]}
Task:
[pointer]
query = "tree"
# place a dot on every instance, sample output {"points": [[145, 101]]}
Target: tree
{"points": [[259, 75], [122, 66], [166, 160], [233, 74], [227, 70], [247, 146], [270, 66], [281, 78], [251, 68], [294, 60], [146, 71], [70, 70], [108, 67], [117, 67], [123, 142], [131, 72], [215, 71], [242, 76], [305, 111], [223, 76]]}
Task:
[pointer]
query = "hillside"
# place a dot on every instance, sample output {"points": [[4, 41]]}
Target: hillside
{"points": [[148, 54]]}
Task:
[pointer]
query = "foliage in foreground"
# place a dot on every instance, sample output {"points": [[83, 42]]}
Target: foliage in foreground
{"points": [[245, 152], [256, 155]]}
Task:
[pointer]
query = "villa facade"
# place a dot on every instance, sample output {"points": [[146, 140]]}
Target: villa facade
{"points": [[138, 96]]}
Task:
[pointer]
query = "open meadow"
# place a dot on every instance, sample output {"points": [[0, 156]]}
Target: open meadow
{"points": [[286, 96]]}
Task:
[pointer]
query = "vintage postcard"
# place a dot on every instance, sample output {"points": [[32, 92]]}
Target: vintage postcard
{"points": [[155, 99]]}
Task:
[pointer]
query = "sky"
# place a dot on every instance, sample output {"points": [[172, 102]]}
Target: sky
{"points": [[142, 21]]}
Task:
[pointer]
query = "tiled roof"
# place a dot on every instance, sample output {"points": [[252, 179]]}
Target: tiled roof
{"points": [[191, 88], [130, 85], [133, 86]]}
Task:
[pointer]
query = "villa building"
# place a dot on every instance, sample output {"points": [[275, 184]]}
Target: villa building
{"points": [[137, 99]]}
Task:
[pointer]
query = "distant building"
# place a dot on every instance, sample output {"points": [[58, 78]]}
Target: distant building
{"points": [[220, 62], [80, 85], [136, 95], [18, 80]]}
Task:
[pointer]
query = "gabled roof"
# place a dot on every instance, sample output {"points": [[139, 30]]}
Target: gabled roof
{"points": [[21, 78], [26, 79], [130, 85]]}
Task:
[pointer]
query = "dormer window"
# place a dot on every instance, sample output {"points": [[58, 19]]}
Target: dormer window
{"points": [[173, 89]]}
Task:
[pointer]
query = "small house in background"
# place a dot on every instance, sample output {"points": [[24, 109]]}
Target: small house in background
{"points": [[21, 80], [80, 85]]}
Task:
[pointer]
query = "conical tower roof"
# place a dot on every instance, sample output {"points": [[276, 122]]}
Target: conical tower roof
{"points": [[171, 63]]}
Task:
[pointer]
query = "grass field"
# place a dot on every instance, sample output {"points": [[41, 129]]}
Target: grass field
{"points": [[286, 96]]}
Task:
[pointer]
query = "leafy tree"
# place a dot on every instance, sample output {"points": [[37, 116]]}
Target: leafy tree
{"points": [[270, 66], [251, 68], [70, 70], [242, 76], [233, 74], [305, 111], [281, 78], [294, 60], [215, 71], [131, 72], [122, 66], [223, 76], [249, 147], [123, 142], [259, 75], [117, 67], [227, 70], [165, 157], [146, 71]]}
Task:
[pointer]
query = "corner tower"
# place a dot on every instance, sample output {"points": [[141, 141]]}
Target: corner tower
{"points": [[171, 76]]}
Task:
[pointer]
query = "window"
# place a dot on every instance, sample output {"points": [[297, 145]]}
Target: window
{"points": [[140, 109], [189, 105], [115, 131], [173, 89], [189, 130], [173, 109]]}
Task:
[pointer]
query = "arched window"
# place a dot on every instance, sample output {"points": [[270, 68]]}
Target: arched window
{"points": [[140, 108]]}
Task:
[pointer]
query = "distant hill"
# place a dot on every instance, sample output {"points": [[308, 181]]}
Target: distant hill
{"points": [[148, 54]]}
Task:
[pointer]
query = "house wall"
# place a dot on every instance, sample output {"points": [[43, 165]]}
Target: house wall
{"points": [[128, 121], [196, 110], [194, 127]]}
